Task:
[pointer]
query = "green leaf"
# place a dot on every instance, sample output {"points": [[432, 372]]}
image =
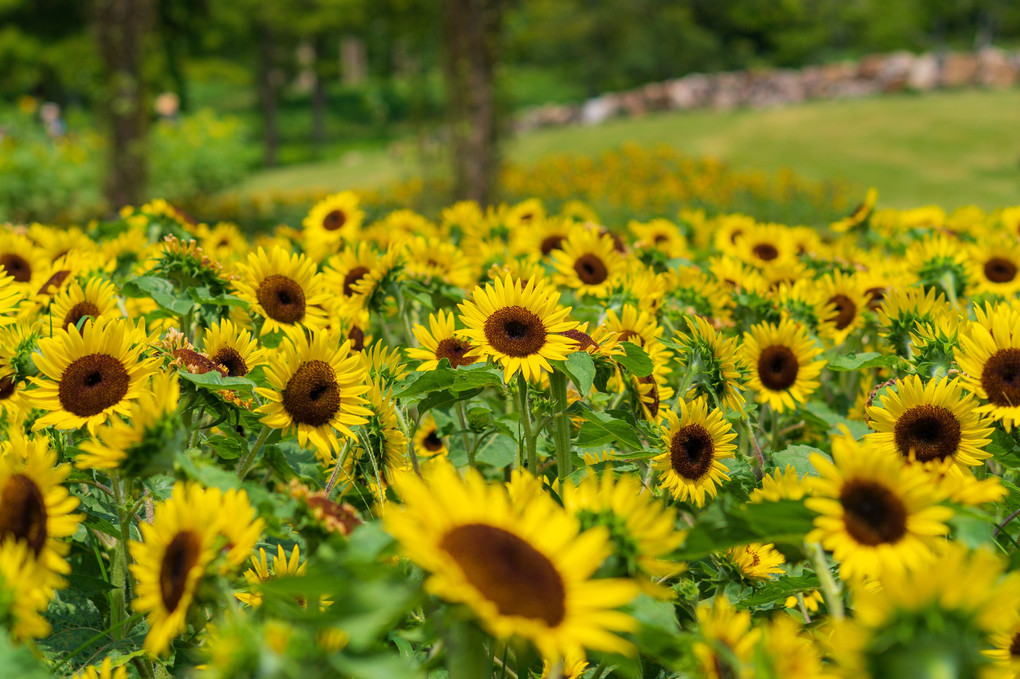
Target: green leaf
{"points": [[779, 590], [718, 529], [600, 428], [636, 360], [497, 450], [451, 379], [580, 367], [214, 380], [439, 399], [162, 292], [798, 456], [861, 361]]}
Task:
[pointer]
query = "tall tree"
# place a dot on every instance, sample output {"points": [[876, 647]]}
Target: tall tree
{"points": [[121, 29]]}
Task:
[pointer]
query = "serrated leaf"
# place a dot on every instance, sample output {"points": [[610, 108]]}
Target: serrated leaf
{"points": [[581, 369], [780, 590], [861, 361], [497, 450], [600, 428]]}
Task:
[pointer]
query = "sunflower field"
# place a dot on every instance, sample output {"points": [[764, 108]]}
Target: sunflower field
{"points": [[527, 441]]}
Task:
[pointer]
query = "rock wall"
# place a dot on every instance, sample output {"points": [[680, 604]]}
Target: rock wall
{"points": [[872, 75]]}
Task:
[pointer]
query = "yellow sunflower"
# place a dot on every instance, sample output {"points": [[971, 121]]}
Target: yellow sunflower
{"points": [[711, 359], [523, 568], [757, 561], [587, 262], [260, 572], [989, 356], [781, 484], [433, 259], [334, 218], [859, 215], [995, 265], [21, 259], [843, 299], [876, 514], [232, 347], [284, 289], [784, 372], [792, 653], [929, 421], [661, 235], [344, 270], [104, 671], [317, 388], [695, 442], [518, 326], [428, 443], [25, 591], [727, 640], [240, 526], [1006, 650], [90, 375], [439, 341], [169, 562], [10, 297], [75, 302]]}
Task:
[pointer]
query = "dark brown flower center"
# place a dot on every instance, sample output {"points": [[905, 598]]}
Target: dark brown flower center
{"points": [[515, 331], [93, 383], [1000, 377], [352, 277], [929, 432], [778, 367], [453, 349], [691, 452], [1014, 646], [618, 243], [591, 269], [583, 339], [232, 360], [334, 220], [873, 515], [432, 442], [846, 311], [54, 282], [23, 512], [8, 385], [1000, 270], [875, 298], [181, 555], [17, 267], [79, 311], [282, 299], [357, 338], [550, 243], [508, 572], [765, 251], [312, 395], [650, 398]]}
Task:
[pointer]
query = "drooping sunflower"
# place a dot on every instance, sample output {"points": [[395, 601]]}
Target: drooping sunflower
{"points": [[587, 262], [784, 372], [876, 514], [260, 572], [757, 561], [90, 375], [335, 217], [175, 551], [284, 289], [720, 625], [989, 357], [232, 347], [439, 341], [929, 421], [695, 442], [519, 326], [317, 388], [523, 568], [25, 590]]}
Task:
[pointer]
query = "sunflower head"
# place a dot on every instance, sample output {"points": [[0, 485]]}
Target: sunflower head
{"points": [[694, 441]]}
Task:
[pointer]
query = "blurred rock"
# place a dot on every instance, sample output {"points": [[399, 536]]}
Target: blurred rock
{"points": [[959, 69], [996, 69], [924, 73]]}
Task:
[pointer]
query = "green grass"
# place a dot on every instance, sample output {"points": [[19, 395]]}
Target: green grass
{"points": [[949, 148]]}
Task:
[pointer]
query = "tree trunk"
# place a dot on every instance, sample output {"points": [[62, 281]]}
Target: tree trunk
{"points": [[472, 36], [319, 95], [121, 27], [267, 94]]}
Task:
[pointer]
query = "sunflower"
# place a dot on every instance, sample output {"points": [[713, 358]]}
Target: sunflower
{"points": [[439, 342], [317, 389], [929, 421], [793, 654], [26, 588], [224, 242], [343, 271], [784, 372], [241, 526], [428, 443], [434, 259], [232, 347], [709, 359], [843, 299], [284, 289], [260, 572], [660, 235], [175, 551], [524, 214], [727, 640], [859, 215], [104, 671], [518, 326], [695, 442], [1006, 650], [939, 261], [145, 445], [383, 363], [73, 303], [995, 266], [757, 561], [523, 568], [876, 514], [10, 297], [784, 484], [765, 245], [587, 262], [21, 259], [736, 275], [334, 218], [382, 446], [905, 308], [89, 375], [989, 357]]}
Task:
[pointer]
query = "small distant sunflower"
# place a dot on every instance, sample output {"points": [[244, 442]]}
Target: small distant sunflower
{"points": [[343, 271], [876, 514], [317, 389], [518, 326], [587, 262], [720, 625], [695, 442], [989, 357], [939, 261], [660, 235], [843, 298], [736, 275], [784, 484], [859, 215], [175, 551], [523, 568], [757, 561], [284, 289], [232, 347], [21, 259], [428, 443], [765, 245], [439, 342], [88, 376], [524, 214], [260, 572], [784, 372], [335, 217], [430, 259], [224, 242], [929, 421]]}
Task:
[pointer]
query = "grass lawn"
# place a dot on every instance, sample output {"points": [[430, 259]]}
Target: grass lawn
{"points": [[950, 148]]}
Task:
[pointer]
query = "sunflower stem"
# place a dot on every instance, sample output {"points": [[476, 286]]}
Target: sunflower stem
{"points": [[830, 589], [119, 567], [339, 463], [405, 424], [529, 438], [246, 462], [462, 418], [561, 424], [468, 655]]}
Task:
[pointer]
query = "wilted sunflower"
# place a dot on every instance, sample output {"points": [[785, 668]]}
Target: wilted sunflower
{"points": [[518, 326], [284, 289], [695, 442], [876, 514], [929, 421], [175, 551], [720, 625], [146, 442], [25, 590], [232, 347], [587, 262], [88, 376], [439, 341], [784, 372], [523, 568], [334, 218], [757, 561], [989, 357], [317, 389], [97, 298]]}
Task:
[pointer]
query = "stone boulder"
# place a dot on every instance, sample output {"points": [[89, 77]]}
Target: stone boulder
{"points": [[959, 69], [924, 73], [996, 69]]}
